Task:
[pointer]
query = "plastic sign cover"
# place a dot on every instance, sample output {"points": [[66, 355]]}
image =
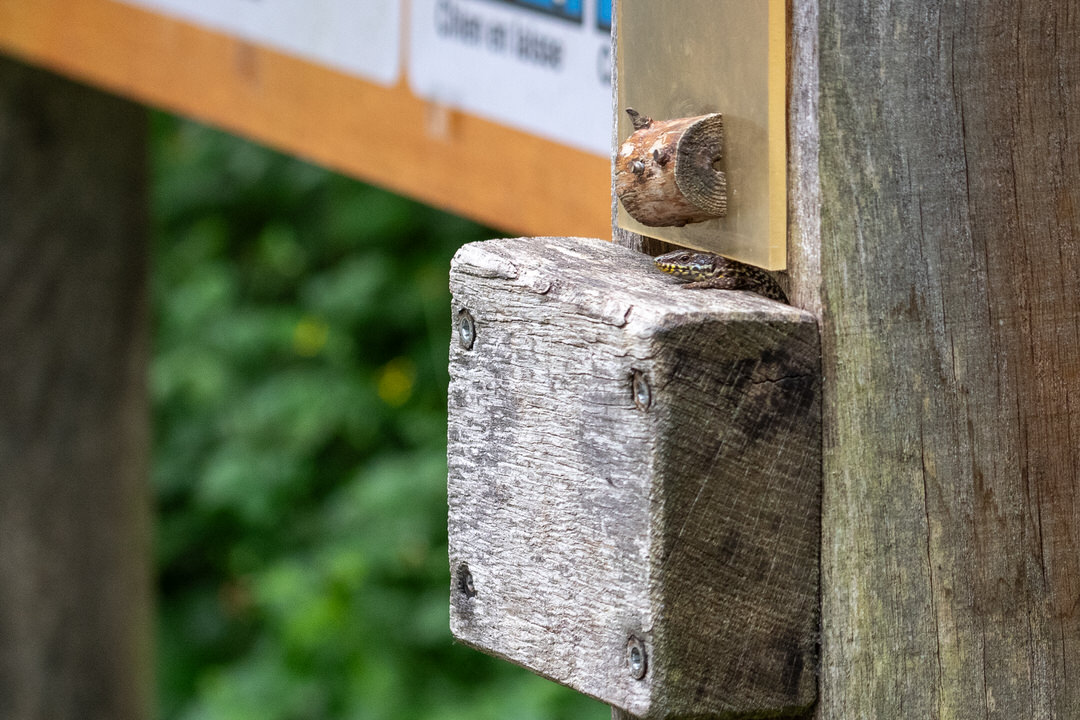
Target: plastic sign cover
{"points": [[683, 58]]}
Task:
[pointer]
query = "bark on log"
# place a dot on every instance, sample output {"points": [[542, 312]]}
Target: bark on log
{"points": [[667, 174]]}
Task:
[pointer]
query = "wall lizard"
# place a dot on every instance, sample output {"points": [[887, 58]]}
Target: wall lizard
{"points": [[708, 270]]}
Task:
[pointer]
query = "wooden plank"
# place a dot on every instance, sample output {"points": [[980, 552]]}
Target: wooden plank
{"points": [[75, 577], [950, 260], [803, 181], [633, 467], [387, 136]]}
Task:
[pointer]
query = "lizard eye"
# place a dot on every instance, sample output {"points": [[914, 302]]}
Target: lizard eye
{"points": [[684, 258]]}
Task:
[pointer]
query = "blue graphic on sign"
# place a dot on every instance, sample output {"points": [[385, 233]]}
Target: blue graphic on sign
{"points": [[568, 9], [603, 15]]}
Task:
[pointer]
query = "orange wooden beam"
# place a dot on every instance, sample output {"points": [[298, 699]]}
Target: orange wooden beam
{"points": [[508, 179]]}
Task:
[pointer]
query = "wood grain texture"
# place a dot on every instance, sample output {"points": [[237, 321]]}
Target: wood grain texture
{"points": [[506, 178], [803, 277], [950, 257], [75, 579], [586, 511]]}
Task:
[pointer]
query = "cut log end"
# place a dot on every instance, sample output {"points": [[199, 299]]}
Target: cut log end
{"points": [[658, 192]]}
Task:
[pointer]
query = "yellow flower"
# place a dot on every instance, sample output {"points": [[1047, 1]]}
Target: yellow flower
{"points": [[309, 336], [395, 381]]}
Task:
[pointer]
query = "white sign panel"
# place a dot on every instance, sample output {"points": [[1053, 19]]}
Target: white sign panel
{"points": [[542, 66], [360, 37]]}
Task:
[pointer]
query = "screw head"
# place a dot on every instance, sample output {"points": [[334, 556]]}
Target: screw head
{"points": [[641, 390], [466, 329], [463, 581], [637, 661]]}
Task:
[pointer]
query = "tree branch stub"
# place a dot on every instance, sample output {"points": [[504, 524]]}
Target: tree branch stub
{"points": [[666, 172]]}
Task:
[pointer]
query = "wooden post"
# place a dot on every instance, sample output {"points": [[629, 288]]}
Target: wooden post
{"points": [[948, 262], [75, 607], [934, 187]]}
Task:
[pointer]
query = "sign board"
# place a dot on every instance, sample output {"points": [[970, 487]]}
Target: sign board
{"points": [[543, 66], [496, 109], [363, 38], [509, 127]]}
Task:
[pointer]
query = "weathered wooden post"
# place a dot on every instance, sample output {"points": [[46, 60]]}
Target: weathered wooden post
{"points": [[75, 580], [945, 265]]}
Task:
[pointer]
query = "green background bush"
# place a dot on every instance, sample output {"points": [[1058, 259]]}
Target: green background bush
{"points": [[299, 397]]}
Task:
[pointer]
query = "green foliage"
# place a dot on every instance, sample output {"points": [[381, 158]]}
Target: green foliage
{"points": [[298, 382]]}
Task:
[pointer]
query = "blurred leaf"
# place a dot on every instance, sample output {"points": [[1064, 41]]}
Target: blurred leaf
{"points": [[348, 292], [299, 389], [260, 687]]}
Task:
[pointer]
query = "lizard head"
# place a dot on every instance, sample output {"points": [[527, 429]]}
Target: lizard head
{"points": [[688, 264]]}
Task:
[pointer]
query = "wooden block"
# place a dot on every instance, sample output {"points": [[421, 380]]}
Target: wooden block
{"points": [[505, 178], [634, 480]]}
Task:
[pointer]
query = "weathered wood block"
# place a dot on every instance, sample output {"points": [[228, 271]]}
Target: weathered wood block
{"points": [[634, 480]]}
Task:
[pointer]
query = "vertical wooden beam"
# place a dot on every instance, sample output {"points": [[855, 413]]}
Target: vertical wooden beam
{"points": [[950, 260], [75, 608]]}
